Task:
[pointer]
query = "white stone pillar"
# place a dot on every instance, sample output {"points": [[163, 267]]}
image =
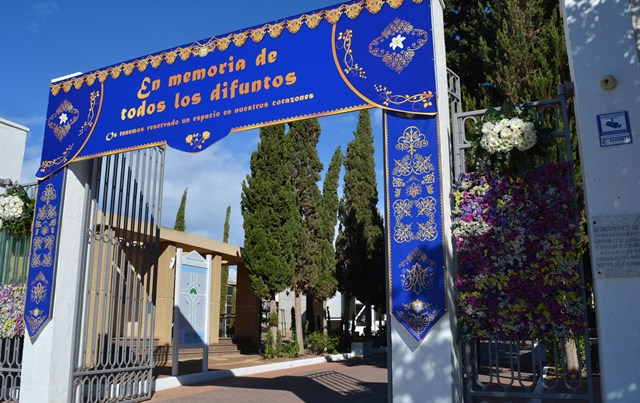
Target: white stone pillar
{"points": [[47, 361], [429, 372], [603, 56]]}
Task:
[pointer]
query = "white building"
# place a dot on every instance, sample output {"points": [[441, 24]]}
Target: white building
{"points": [[13, 138]]}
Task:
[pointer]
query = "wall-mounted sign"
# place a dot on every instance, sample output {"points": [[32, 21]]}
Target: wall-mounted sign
{"points": [[351, 56], [616, 246], [614, 129]]}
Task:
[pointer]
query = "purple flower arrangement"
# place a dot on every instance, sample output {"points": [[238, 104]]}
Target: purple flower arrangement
{"points": [[11, 310], [518, 252]]}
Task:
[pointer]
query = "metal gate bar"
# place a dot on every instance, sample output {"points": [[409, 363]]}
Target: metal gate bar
{"points": [[10, 368], [115, 332]]}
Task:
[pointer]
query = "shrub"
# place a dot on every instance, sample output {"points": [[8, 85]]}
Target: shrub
{"points": [[317, 342], [270, 349], [290, 349]]}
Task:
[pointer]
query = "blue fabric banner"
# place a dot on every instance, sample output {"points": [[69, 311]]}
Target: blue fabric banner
{"points": [[414, 229], [356, 55], [43, 253]]}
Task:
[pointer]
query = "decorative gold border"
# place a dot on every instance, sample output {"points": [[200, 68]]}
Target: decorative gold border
{"points": [[293, 25], [351, 67], [387, 96], [91, 122], [231, 131], [422, 97]]}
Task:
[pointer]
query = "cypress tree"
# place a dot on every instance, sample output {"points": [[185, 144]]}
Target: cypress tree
{"points": [[271, 219], [304, 136], [360, 245], [517, 46], [180, 224], [224, 272], [327, 283]]}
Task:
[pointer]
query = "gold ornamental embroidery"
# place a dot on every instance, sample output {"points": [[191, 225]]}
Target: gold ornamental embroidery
{"points": [[196, 140], [418, 315], [351, 67], [45, 223], [293, 25], [397, 44], [62, 119], [417, 278], [414, 175], [419, 101], [38, 293], [35, 318], [417, 272], [64, 157]]}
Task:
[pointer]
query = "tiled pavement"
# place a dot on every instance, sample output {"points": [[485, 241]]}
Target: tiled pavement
{"points": [[352, 380]]}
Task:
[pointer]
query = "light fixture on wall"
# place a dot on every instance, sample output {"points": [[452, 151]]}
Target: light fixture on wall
{"points": [[5, 182]]}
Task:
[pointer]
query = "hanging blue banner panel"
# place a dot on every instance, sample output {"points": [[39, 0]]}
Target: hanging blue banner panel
{"points": [[356, 55], [42, 257], [414, 230]]}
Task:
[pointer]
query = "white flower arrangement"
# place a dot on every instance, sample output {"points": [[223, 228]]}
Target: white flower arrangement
{"points": [[506, 134], [509, 139], [11, 207], [16, 212]]}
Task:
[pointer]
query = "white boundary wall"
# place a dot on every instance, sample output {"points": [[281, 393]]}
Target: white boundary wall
{"points": [[601, 43]]}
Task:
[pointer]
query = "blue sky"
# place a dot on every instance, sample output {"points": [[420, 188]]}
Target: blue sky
{"points": [[44, 40]]}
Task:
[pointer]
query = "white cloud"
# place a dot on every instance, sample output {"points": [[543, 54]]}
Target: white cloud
{"points": [[213, 177], [42, 10]]}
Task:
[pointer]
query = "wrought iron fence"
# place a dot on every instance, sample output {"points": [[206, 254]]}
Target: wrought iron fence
{"points": [[115, 334], [527, 370], [14, 258], [10, 368]]}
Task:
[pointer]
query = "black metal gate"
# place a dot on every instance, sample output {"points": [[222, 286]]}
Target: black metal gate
{"points": [[115, 334], [524, 370]]}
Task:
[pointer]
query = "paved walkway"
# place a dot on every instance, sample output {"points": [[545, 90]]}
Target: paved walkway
{"points": [[352, 380]]}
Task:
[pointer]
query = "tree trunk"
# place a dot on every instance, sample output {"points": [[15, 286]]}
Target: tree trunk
{"points": [[311, 314], [367, 317], [346, 311], [274, 329], [299, 329], [571, 352], [324, 317]]}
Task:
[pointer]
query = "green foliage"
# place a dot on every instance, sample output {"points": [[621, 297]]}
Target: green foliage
{"points": [[304, 176], [317, 342], [271, 219], [327, 283], [270, 348], [505, 50], [181, 224], [360, 264], [273, 319], [289, 349], [279, 348], [224, 276]]}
